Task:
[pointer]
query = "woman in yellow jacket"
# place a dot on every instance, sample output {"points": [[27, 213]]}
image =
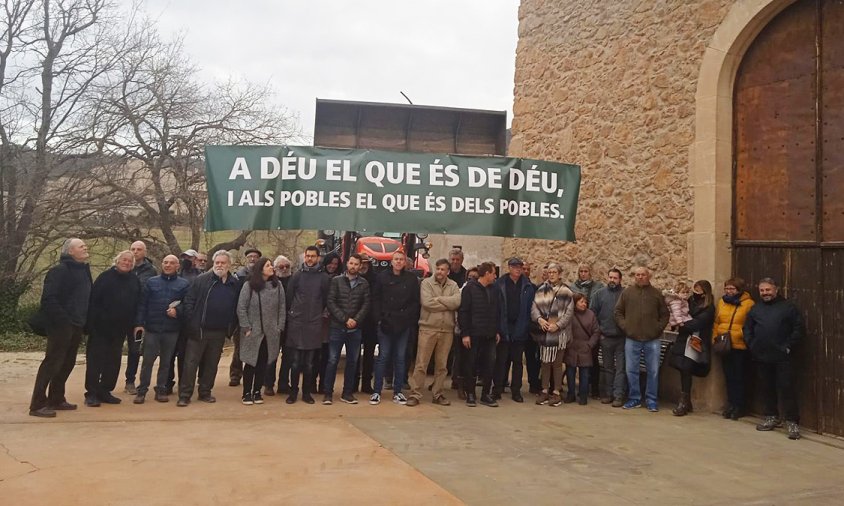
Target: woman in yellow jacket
{"points": [[733, 306]]}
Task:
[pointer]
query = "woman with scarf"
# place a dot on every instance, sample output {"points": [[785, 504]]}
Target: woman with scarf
{"points": [[551, 313], [730, 314], [699, 331]]}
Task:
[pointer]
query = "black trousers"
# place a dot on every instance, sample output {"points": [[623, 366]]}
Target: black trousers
{"points": [[103, 356], [366, 366], [253, 377], [320, 363], [62, 345], [734, 364], [302, 363], [533, 365], [777, 383], [283, 374], [505, 354], [202, 354], [181, 347], [482, 350], [236, 367]]}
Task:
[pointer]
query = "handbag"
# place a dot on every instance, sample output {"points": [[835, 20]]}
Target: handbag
{"points": [[723, 343], [38, 322]]}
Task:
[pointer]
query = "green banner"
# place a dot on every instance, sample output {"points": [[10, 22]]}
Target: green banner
{"points": [[296, 187]]}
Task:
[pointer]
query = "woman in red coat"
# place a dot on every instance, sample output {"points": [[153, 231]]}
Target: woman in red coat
{"points": [[585, 334]]}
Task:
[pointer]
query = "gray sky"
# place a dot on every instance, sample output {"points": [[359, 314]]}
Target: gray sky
{"points": [[454, 53]]}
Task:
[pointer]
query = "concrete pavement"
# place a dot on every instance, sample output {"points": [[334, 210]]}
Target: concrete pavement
{"points": [[388, 454]]}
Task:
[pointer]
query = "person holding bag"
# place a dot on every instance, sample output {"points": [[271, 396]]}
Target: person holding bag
{"points": [[551, 314], [690, 353], [730, 316], [262, 314]]}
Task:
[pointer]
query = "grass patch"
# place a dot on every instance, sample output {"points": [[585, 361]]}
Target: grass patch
{"points": [[22, 341]]}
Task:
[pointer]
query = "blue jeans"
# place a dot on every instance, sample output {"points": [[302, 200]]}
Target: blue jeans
{"points": [[632, 351], [337, 338], [391, 346]]}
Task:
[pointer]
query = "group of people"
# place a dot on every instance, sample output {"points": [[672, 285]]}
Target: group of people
{"points": [[484, 328]]}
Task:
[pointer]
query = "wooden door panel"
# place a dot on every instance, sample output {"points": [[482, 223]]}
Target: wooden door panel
{"points": [[832, 119]]}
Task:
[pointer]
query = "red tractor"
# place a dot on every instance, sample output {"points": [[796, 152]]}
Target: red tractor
{"points": [[378, 247]]}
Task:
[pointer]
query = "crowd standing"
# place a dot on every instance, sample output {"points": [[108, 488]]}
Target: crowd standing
{"points": [[483, 329]]}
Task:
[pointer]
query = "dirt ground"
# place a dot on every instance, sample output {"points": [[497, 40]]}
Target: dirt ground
{"points": [[360, 454]]}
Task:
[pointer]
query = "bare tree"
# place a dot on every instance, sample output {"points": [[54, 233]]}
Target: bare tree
{"points": [[52, 52], [151, 123]]}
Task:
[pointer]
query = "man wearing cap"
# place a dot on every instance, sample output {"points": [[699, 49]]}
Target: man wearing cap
{"points": [[188, 269], [516, 292], [236, 368]]}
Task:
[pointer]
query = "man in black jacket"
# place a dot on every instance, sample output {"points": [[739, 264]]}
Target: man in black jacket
{"points": [[478, 319], [395, 302], [64, 302], [111, 313], [348, 304], [209, 310], [771, 330]]}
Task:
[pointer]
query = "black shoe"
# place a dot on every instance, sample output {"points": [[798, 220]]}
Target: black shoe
{"points": [[535, 390], [44, 412], [139, 399], [182, 402], [257, 398], [210, 399], [488, 400], [736, 414], [367, 389], [234, 382], [161, 397], [62, 406], [727, 413], [470, 399], [569, 399], [110, 399], [91, 401], [291, 399], [496, 396], [168, 390], [348, 399], [328, 400], [517, 397], [307, 399], [582, 401]]}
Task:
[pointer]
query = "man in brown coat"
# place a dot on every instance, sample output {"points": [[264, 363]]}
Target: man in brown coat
{"points": [[642, 314], [440, 298]]}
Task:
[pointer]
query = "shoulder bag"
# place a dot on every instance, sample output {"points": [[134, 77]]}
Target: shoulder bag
{"points": [[723, 343]]}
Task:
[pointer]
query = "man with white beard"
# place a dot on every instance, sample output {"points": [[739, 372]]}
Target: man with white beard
{"points": [[210, 315]]}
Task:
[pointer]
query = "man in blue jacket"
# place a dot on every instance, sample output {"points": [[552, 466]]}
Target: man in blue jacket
{"points": [[772, 329], [516, 298], [158, 321]]}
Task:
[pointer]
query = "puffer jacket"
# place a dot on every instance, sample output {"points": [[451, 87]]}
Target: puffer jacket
{"points": [[344, 302], [439, 303], [723, 313], [479, 313], [158, 294]]}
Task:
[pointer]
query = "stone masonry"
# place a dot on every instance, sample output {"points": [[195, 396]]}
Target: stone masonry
{"points": [[611, 86]]}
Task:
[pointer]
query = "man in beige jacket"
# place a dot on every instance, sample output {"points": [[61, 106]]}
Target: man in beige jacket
{"points": [[440, 298]]}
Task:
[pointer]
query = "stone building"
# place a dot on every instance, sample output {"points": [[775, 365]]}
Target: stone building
{"points": [[711, 139]]}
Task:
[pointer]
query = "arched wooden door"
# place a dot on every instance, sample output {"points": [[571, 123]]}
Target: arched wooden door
{"points": [[789, 187]]}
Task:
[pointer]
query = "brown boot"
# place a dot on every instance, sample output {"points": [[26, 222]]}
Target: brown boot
{"points": [[682, 408]]}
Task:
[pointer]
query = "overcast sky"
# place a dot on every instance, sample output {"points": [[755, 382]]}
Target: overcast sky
{"points": [[454, 53]]}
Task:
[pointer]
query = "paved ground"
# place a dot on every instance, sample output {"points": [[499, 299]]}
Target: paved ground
{"points": [[280, 454]]}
